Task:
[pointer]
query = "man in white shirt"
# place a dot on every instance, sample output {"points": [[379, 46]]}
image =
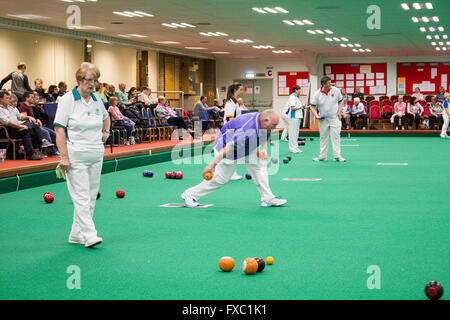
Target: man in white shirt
{"points": [[326, 106], [358, 111], [145, 97], [295, 118]]}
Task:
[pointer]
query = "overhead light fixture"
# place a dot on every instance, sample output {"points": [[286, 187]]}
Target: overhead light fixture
{"points": [[336, 39], [343, 45], [368, 50], [428, 5], [263, 47], [441, 28], [289, 22], [433, 43], [168, 25], [167, 42], [350, 45], [241, 41], [355, 50], [196, 48], [144, 13], [417, 6], [298, 22], [220, 52], [213, 34], [281, 51], [259, 10], [435, 19], [279, 9], [423, 29], [405, 6], [320, 32], [444, 48], [328, 39], [27, 16], [178, 25], [270, 10], [431, 29], [328, 31], [130, 14], [429, 37], [357, 45], [441, 43], [307, 22], [438, 49], [343, 39], [187, 25], [415, 19], [361, 50], [311, 31], [444, 36]]}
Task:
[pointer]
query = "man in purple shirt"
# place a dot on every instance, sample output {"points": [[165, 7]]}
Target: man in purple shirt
{"points": [[238, 141]]}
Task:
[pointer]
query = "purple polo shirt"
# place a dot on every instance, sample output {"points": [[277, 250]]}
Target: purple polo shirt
{"points": [[243, 133]]}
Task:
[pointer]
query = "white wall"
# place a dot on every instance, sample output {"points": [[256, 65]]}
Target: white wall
{"points": [[116, 63], [391, 76], [50, 58], [229, 69]]}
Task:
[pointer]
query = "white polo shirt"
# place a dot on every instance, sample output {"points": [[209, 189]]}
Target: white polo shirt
{"points": [[82, 121], [230, 108], [294, 101], [327, 103]]}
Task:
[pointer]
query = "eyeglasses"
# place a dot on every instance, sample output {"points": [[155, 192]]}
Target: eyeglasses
{"points": [[89, 80]]}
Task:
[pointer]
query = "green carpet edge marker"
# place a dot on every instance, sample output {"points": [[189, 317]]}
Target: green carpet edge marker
{"points": [[37, 179]]}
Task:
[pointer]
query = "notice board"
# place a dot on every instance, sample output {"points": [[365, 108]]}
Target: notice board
{"points": [[428, 76], [370, 77], [286, 80]]}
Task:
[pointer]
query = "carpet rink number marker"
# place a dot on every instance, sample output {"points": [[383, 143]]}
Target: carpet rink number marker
{"points": [[302, 179], [391, 164], [182, 205]]}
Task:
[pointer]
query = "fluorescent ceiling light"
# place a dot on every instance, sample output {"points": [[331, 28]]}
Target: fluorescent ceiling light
{"points": [[307, 22], [336, 39], [259, 10], [144, 13], [433, 43], [414, 19], [425, 19], [279, 9], [319, 31], [441, 43], [444, 36], [310, 31], [444, 48], [417, 6], [222, 34], [405, 6], [368, 50], [423, 29], [298, 22], [440, 28], [133, 14], [357, 45], [168, 25], [438, 49], [122, 14], [429, 37], [350, 45], [361, 50], [220, 52], [288, 22], [138, 35], [205, 34], [343, 39], [343, 45], [436, 36], [355, 50], [178, 25], [270, 10], [167, 42], [431, 29], [27, 16], [187, 25], [328, 39], [428, 5], [435, 19], [328, 31]]}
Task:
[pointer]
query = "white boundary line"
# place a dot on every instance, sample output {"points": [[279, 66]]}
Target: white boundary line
{"points": [[392, 164], [182, 205], [302, 179]]}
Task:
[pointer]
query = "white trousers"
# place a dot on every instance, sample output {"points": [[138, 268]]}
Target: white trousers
{"points": [[285, 119], [445, 125], [330, 127], [294, 126], [223, 172], [83, 182]]}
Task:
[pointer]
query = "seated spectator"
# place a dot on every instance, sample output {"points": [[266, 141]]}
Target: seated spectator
{"points": [[358, 94], [436, 114], [118, 119], [221, 109], [399, 114], [125, 102], [441, 94], [62, 89], [201, 106], [19, 81], [110, 91], [133, 94], [414, 112], [39, 88], [52, 93], [224, 102], [344, 94], [345, 114], [20, 126], [165, 112], [418, 95], [358, 112], [100, 90], [241, 104], [47, 134], [145, 96]]}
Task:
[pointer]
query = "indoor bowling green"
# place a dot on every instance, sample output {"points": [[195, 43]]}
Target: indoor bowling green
{"points": [[360, 220]]}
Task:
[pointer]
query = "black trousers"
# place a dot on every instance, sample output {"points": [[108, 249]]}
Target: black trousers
{"points": [[413, 118], [177, 121], [122, 124], [363, 116], [433, 120], [30, 140]]}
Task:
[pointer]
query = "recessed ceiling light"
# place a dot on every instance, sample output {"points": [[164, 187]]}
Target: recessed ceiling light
{"points": [[307, 22], [350, 45], [328, 31], [433, 43], [298, 22], [440, 28], [428, 5], [368, 50], [355, 50], [444, 48], [343, 45], [357, 45], [429, 37], [310, 31], [220, 52], [343, 39], [168, 25], [288, 22], [425, 19], [438, 49], [361, 50], [417, 6], [415, 19], [423, 29], [441, 43], [405, 6], [328, 39], [448, 43], [436, 36], [435, 19], [431, 29], [336, 39], [444, 36], [187, 25]]}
